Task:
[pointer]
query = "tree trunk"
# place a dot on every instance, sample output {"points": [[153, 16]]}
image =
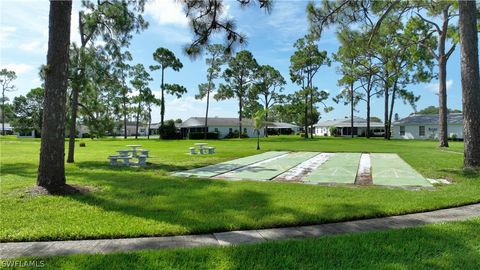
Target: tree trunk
{"points": [[149, 122], [73, 124], [137, 120], [306, 115], [470, 83], [392, 104], [162, 106], [240, 105], [442, 99], [442, 87], [51, 169], [352, 105], [311, 111], [385, 116], [206, 111], [367, 133], [3, 113], [124, 116], [258, 139], [266, 123], [266, 115]]}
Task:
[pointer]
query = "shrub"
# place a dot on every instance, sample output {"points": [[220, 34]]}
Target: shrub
{"points": [[232, 135], [169, 131], [333, 131], [86, 135], [171, 136], [302, 135], [201, 135]]}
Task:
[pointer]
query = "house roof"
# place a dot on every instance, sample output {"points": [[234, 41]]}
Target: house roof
{"points": [[281, 125], [418, 119], [228, 122], [345, 122]]}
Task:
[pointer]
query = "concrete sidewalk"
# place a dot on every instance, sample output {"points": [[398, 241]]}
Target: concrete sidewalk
{"points": [[52, 248]]}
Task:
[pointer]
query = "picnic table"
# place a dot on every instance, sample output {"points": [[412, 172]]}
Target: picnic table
{"points": [[134, 147], [201, 147], [125, 157]]}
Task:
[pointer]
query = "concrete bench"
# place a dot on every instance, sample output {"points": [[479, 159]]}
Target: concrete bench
{"points": [[192, 151], [114, 160], [211, 150], [124, 153], [144, 152], [142, 160]]}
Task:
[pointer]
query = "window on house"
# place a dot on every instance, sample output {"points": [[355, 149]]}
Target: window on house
{"points": [[216, 129], [244, 130], [230, 130], [421, 131], [402, 130]]}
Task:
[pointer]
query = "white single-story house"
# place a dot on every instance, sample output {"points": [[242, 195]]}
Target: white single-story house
{"points": [[8, 129], [425, 126], [343, 127], [224, 126]]}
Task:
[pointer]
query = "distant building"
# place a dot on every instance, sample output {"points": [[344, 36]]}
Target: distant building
{"points": [[224, 126], [8, 129], [425, 126], [26, 133], [343, 127], [131, 128]]}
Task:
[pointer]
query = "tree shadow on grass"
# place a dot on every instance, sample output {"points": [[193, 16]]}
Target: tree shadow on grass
{"points": [[198, 205], [21, 169], [92, 165], [469, 174]]}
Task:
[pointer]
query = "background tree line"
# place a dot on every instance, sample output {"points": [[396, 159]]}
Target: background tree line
{"points": [[371, 15]]}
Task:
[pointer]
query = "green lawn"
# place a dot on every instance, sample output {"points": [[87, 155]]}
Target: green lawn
{"points": [[148, 201], [440, 246]]}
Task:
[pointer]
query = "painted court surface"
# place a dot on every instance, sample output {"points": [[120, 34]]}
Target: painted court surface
{"points": [[316, 168]]}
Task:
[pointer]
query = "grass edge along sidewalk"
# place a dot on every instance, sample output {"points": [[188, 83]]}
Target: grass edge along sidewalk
{"points": [[14, 250]]}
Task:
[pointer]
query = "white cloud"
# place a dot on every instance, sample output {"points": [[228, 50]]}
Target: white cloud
{"points": [[433, 87], [32, 45], [6, 34], [173, 35], [19, 68], [288, 18], [166, 12]]}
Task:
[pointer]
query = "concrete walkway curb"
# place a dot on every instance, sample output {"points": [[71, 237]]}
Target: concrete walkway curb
{"points": [[52, 248]]}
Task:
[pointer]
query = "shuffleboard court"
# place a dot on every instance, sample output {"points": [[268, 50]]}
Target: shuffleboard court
{"points": [[216, 169], [391, 170], [268, 169], [339, 168]]}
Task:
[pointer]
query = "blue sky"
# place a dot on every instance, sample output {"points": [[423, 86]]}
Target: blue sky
{"points": [[24, 36]]}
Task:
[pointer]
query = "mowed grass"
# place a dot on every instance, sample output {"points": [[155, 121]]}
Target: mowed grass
{"points": [[132, 202], [441, 246]]}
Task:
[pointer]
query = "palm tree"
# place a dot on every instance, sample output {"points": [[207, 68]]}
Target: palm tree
{"points": [[258, 123]]}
